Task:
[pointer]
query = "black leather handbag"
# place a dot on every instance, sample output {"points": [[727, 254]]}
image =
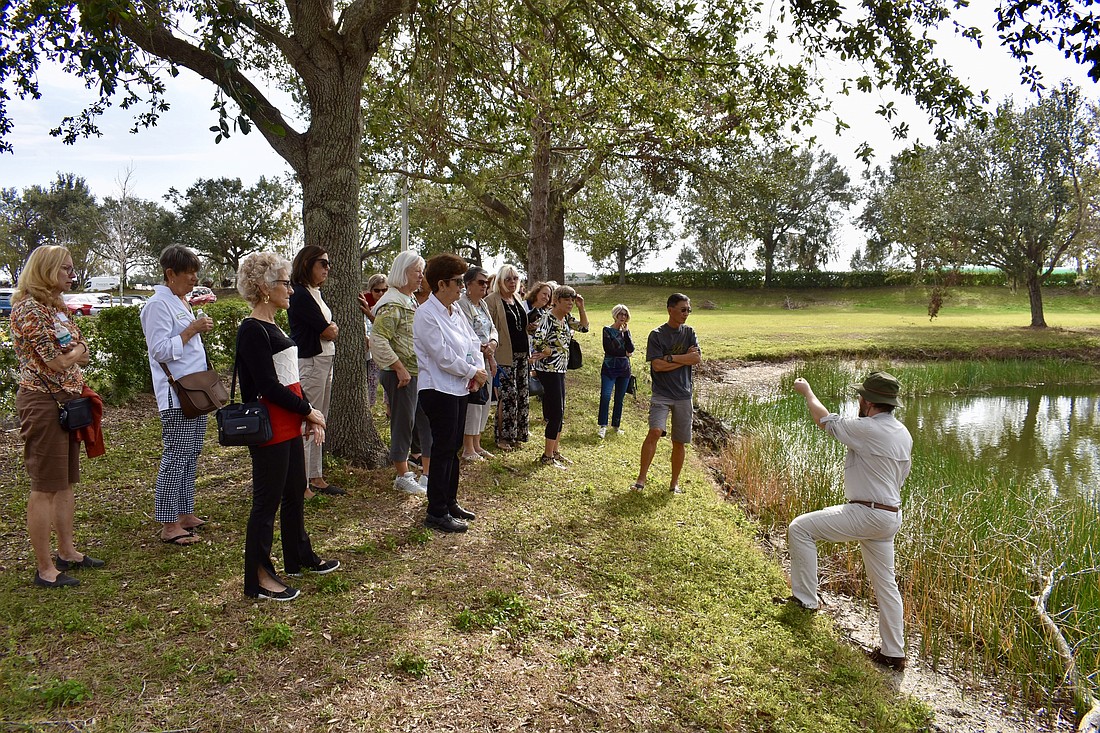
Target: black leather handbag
{"points": [[576, 359], [73, 414], [242, 423]]}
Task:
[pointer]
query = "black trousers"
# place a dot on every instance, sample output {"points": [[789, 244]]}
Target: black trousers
{"points": [[447, 418], [553, 402], [278, 484]]}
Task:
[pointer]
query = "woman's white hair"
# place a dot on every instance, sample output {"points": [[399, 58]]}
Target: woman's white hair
{"points": [[503, 272], [620, 308], [401, 264], [256, 269]]}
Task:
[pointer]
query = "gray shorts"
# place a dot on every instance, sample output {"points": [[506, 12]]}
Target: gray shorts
{"points": [[659, 408]]}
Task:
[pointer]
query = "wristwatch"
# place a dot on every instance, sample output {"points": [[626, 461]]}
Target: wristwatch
{"points": [[668, 358]]}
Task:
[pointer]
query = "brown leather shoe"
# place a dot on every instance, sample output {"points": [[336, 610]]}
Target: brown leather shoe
{"points": [[895, 663]]}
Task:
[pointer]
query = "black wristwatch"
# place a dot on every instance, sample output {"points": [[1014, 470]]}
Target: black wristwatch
{"points": [[668, 358]]}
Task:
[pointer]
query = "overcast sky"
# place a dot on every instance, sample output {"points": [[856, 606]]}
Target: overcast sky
{"points": [[181, 149]]}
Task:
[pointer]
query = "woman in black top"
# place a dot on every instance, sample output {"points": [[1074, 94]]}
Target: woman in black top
{"points": [[314, 333], [268, 364], [513, 350]]}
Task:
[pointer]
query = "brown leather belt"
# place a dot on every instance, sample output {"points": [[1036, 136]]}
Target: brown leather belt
{"points": [[874, 505]]}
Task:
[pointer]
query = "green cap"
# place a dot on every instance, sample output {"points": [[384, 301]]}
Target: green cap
{"points": [[880, 388]]}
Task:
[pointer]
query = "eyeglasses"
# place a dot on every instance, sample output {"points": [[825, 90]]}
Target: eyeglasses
{"points": [[324, 263], [284, 283], [68, 268], [456, 280], [684, 310]]}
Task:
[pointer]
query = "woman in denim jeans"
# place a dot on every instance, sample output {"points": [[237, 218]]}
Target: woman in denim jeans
{"points": [[615, 373]]}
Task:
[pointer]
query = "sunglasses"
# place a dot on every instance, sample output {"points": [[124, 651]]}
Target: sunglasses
{"points": [[456, 280], [379, 290], [324, 263], [484, 283]]}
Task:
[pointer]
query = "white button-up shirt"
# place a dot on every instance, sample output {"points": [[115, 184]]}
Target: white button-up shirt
{"points": [[448, 352], [163, 319]]}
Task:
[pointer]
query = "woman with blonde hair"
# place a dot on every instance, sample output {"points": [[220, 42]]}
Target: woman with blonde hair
{"points": [[618, 347], [50, 350], [267, 363], [512, 354]]}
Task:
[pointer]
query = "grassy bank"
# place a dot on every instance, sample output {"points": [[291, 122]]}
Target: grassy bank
{"points": [[978, 540]]}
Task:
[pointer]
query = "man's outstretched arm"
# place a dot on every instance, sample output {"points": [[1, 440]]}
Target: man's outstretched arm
{"points": [[817, 410]]}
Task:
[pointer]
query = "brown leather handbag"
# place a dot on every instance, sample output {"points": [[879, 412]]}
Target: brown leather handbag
{"points": [[200, 393]]}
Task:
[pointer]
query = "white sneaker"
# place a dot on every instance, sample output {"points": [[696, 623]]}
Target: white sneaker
{"points": [[602, 431], [620, 431], [423, 484], [409, 485]]}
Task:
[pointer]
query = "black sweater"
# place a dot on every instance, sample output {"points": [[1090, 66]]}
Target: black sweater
{"points": [[306, 322]]}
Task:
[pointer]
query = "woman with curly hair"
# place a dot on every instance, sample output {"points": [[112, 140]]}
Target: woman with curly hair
{"points": [[267, 361]]}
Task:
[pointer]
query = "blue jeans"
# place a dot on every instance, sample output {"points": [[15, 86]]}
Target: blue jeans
{"points": [[606, 385]]}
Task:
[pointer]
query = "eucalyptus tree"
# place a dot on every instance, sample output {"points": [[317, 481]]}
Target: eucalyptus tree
{"points": [[782, 201], [225, 220], [619, 223]]}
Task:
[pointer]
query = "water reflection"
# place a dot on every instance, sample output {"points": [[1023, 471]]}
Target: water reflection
{"points": [[1045, 439]]}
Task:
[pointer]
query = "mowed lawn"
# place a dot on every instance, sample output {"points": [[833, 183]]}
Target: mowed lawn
{"points": [[778, 324]]}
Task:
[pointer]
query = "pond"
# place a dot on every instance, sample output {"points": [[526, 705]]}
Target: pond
{"points": [[1046, 439]]}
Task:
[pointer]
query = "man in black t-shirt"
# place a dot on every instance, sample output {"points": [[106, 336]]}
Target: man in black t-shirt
{"points": [[672, 350]]}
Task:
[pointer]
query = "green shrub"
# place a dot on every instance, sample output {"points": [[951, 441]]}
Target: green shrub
{"points": [[120, 363], [9, 366], [221, 342]]}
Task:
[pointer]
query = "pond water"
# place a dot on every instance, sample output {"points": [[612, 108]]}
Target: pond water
{"points": [[1047, 439]]}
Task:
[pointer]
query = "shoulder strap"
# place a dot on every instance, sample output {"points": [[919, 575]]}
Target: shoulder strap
{"points": [[48, 390], [236, 353]]}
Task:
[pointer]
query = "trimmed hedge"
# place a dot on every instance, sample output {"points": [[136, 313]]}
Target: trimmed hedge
{"points": [[801, 279]]}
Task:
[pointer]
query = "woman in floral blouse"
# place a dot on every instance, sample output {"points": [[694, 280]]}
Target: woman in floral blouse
{"points": [[551, 342], [51, 350]]}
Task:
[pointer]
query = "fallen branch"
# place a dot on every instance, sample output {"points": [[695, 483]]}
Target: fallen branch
{"points": [[1090, 721], [578, 703]]}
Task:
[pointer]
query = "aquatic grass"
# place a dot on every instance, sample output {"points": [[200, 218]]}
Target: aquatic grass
{"points": [[977, 542]]}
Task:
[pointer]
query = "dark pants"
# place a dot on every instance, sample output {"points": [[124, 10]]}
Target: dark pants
{"points": [[553, 402], [278, 484], [447, 417]]}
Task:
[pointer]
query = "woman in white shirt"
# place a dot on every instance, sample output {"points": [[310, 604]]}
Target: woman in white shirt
{"points": [[451, 363], [172, 335]]}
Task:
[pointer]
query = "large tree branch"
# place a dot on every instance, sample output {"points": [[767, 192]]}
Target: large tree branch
{"points": [[157, 40]]}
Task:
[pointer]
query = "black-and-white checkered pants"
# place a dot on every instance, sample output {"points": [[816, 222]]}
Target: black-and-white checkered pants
{"points": [[181, 440]]}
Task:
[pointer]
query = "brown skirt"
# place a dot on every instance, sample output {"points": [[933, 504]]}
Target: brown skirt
{"points": [[50, 454]]}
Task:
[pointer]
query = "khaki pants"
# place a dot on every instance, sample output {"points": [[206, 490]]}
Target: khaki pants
{"points": [[315, 376]]}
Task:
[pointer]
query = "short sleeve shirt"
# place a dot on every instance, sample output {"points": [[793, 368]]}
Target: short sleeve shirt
{"points": [[665, 341], [880, 455]]}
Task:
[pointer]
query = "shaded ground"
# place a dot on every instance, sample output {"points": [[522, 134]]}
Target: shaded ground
{"points": [[961, 702]]}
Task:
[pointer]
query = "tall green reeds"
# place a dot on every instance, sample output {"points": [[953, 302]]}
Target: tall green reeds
{"points": [[977, 541]]}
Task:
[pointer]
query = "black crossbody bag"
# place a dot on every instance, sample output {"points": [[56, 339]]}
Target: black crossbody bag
{"points": [[242, 423], [73, 414]]}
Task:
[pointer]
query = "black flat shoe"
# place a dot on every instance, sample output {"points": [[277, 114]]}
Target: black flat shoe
{"points": [[330, 490], [286, 594], [61, 581], [895, 663], [87, 562], [459, 513], [446, 523]]}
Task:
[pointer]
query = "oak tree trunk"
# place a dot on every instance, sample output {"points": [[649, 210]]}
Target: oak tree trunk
{"points": [[330, 214], [1035, 296]]}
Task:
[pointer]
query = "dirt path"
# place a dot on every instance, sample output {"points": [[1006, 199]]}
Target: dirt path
{"points": [[960, 702]]}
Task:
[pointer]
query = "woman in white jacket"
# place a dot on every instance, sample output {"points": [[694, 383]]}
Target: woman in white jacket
{"points": [[448, 353]]}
